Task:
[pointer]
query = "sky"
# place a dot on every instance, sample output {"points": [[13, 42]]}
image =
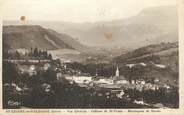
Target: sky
{"points": [[76, 10]]}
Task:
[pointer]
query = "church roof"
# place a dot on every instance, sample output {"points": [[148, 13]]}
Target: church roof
{"points": [[119, 78]]}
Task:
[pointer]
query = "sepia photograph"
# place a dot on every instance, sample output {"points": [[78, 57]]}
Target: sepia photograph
{"points": [[90, 54]]}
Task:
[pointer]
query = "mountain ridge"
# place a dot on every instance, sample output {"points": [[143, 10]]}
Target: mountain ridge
{"points": [[150, 26]]}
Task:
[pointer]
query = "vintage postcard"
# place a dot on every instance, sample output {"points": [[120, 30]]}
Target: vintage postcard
{"points": [[92, 57]]}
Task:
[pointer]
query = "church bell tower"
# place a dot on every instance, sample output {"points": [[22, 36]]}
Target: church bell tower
{"points": [[117, 72]]}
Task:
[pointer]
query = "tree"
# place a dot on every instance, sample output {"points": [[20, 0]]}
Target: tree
{"points": [[50, 56], [17, 55], [35, 53], [10, 72]]}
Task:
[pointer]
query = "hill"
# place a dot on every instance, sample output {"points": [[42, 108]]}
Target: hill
{"points": [[162, 49], [158, 61], [31, 36]]}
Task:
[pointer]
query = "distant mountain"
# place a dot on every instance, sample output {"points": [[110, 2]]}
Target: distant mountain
{"points": [[32, 36], [151, 26]]}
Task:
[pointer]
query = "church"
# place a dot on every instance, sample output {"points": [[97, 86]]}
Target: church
{"points": [[119, 79]]}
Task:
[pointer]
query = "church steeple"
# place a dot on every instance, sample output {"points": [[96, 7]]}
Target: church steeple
{"points": [[117, 72], [96, 73]]}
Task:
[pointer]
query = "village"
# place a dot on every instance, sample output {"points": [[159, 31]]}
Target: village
{"points": [[137, 91]]}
